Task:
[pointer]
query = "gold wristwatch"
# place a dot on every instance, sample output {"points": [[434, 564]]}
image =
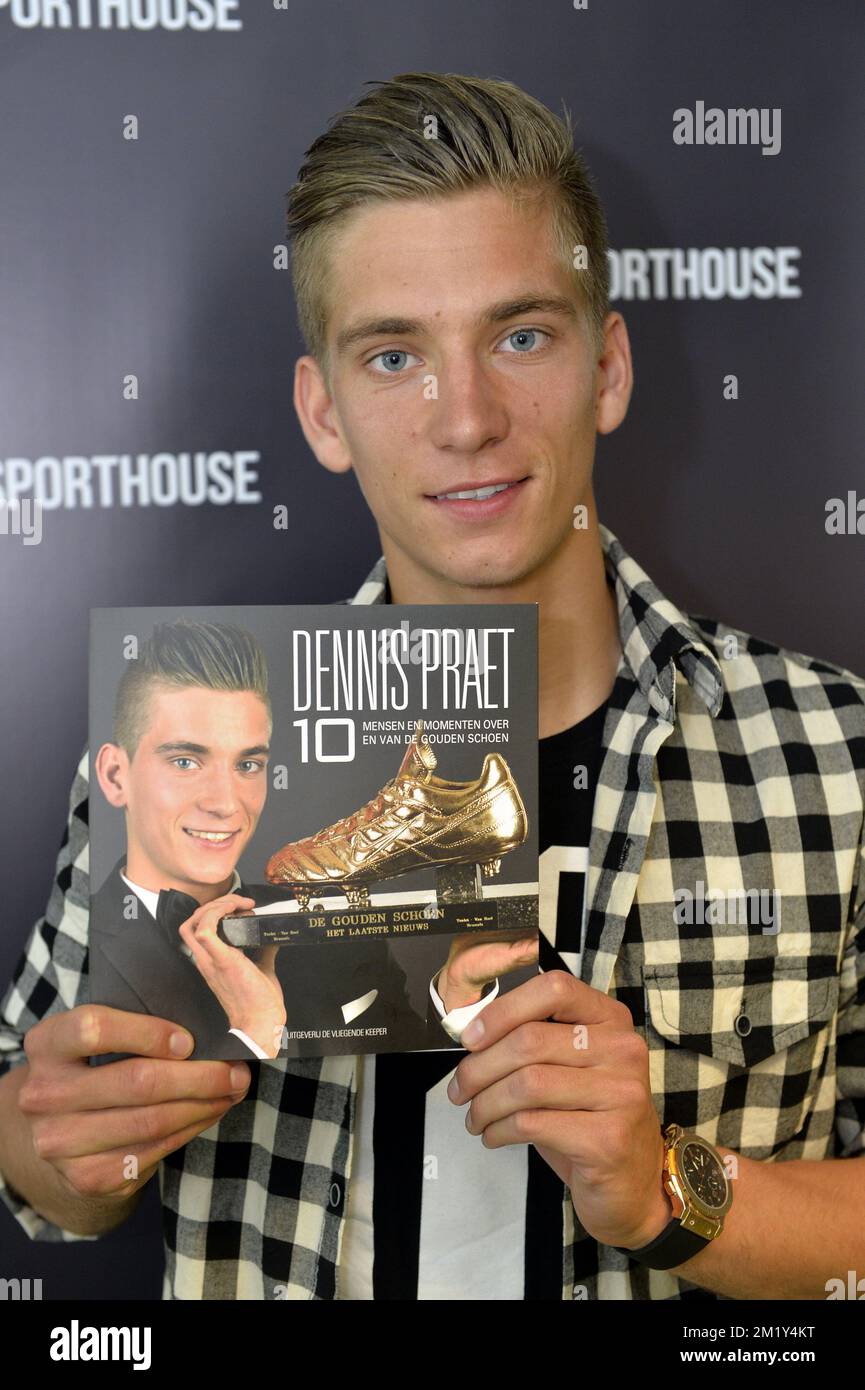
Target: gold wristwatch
{"points": [[701, 1194]]}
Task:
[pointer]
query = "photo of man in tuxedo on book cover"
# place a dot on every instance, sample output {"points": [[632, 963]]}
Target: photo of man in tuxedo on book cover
{"points": [[187, 765]]}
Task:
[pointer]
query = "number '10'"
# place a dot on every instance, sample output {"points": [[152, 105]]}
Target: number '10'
{"points": [[320, 755]]}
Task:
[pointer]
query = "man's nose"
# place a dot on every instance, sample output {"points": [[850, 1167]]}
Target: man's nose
{"points": [[218, 794], [468, 411]]}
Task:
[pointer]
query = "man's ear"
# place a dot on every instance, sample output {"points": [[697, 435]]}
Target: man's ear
{"points": [[112, 769], [317, 415], [614, 379]]}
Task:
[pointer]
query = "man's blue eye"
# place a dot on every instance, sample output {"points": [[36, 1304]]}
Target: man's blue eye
{"points": [[387, 357], [524, 333]]}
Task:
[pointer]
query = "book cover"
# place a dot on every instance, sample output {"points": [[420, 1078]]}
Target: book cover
{"points": [[313, 828]]}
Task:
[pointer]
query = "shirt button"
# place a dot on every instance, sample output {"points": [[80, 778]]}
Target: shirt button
{"points": [[742, 1025]]}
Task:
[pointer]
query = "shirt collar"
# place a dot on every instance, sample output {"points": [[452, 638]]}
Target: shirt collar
{"points": [[150, 899], [656, 636]]}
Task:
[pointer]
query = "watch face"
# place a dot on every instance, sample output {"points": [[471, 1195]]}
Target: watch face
{"points": [[704, 1175]]}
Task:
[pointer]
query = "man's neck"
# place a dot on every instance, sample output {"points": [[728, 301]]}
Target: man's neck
{"points": [[578, 622]]}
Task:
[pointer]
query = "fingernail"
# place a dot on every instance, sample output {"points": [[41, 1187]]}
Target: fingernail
{"points": [[180, 1044], [453, 1088], [474, 1032], [239, 1078]]}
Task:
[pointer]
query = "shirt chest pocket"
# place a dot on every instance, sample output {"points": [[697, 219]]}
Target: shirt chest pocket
{"points": [[738, 1049]]}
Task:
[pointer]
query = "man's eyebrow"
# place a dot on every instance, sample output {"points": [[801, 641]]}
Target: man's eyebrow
{"points": [[184, 746], [504, 309]]}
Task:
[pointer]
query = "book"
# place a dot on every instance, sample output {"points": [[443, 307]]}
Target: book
{"points": [[313, 828]]}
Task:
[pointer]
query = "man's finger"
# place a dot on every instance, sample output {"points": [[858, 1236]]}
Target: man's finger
{"points": [[554, 995], [98, 1175], [92, 1030], [540, 1088], [131, 1082], [573, 1136], [100, 1131], [209, 950], [493, 961], [538, 1044], [209, 913], [524, 952]]}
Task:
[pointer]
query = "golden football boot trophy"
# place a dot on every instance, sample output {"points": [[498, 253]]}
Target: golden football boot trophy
{"points": [[416, 821]]}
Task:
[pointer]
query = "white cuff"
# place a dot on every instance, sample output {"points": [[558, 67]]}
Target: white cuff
{"points": [[251, 1044], [458, 1019]]}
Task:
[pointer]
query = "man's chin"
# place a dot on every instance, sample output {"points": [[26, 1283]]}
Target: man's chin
{"points": [[199, 869], [474, 572]]}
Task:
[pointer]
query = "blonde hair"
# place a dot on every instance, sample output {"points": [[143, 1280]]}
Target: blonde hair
{"points": [[488, 132], [215, 656]]}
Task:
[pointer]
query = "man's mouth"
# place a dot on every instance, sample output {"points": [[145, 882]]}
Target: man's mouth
{"points": [[211, 837], [478, 494], [485, 503]]}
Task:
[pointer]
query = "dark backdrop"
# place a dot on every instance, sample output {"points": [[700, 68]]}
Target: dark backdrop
{"points": [[155, 257]]}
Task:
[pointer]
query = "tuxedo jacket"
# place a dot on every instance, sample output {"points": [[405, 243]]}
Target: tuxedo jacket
{"points": [[136, 966]]}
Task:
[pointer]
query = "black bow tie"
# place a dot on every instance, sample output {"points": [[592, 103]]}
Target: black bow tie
{"points": [[173, 908]]}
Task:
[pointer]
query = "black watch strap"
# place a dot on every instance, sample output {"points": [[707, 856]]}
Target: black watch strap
{"points": [[672, 1247]]}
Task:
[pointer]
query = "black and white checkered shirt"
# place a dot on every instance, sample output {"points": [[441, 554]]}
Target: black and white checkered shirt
{"points": [[730, 769]]}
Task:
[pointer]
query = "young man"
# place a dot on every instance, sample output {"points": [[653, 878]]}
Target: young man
{"points": [[450, 270]]}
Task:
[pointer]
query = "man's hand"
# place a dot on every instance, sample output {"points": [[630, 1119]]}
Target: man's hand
{"points": [[105, 1129], [557, 1064], [248, 990], [473, 963]]}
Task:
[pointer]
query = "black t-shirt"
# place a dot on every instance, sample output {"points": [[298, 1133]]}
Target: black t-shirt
{"points": [[567, 775]]}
